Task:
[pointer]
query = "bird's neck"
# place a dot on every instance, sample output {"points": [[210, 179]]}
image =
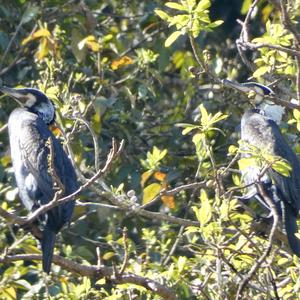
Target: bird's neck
{"points": [[45, 111], [273, 112]]}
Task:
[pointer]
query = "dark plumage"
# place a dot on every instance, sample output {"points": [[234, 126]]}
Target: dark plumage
{"points": [[260, 130], [28, 133], [263, 133]]}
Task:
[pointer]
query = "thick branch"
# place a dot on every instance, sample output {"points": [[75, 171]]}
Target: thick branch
{"points": [[254, 46], [99, 272]]}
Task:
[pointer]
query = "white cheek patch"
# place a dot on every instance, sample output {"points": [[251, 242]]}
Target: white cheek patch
{"points": [[31, 100]]}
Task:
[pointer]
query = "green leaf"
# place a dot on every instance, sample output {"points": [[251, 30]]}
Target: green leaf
{"points": [[204, 115], [247, 162], [245, 7], [175, 5], [202, 5], [172, 38], [282, 167], [181, 263], [108, 255], [190, 4], [296, 114], [204, 213], [216, 23], [261, 71], [150, 192], [163, 15], [30, 13], [187, 127]]}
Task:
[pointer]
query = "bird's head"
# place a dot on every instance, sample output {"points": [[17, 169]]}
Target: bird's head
{"points": [[35, 100], [256, 93]]}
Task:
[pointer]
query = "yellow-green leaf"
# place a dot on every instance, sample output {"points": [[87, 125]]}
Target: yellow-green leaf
{"points": [[261, 71], [89, 42], [205, 212], [246, 162], [9, 293], [175, 5], [121, 62], [101, 281], [181, 263], [245, 6], [162, 14], [43, 32], [145, 176], [108, 255], [150, 192], [172, 38], [202, 5], [282, 167]]}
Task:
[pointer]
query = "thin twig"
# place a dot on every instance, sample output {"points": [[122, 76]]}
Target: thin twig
{"points": [[126, 254]]}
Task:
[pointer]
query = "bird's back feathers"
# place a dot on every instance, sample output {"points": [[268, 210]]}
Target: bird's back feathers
{"points": [[264, 133], [30, 156]]}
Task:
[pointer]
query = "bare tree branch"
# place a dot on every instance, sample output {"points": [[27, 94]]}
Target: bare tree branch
{"points": [[93, 271]]}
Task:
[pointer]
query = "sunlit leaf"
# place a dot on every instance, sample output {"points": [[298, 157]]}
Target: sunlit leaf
{"points": [[108, 255], [232, 150], [163, 15], [121, 62], [181, 263], [89, 42], [245, 7], [9, 293], [247, 162], [175, 5], [101, 281], [43, 49], [187, 127], [172, 38], [261, 71], [150, 192], [43, 32], [205, 212], [282, 167], [145, 176], [203, 5], [216, 23]]}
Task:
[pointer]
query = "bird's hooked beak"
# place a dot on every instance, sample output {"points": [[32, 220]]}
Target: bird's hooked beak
{"points": [[20, 95]]}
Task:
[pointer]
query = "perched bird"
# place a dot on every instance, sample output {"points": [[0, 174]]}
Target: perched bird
{"points": [[259, 128], [29, 144]]}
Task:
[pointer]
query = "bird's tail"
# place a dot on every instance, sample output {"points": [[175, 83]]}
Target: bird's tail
{"points": [[48, 243], [290, 224]]}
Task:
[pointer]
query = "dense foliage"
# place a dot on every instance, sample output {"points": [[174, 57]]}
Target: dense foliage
{"points": [[149, 73]]}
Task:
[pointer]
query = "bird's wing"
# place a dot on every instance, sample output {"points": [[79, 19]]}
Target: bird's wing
{"points": [[35, 153], [265, 134], [289, 186]]}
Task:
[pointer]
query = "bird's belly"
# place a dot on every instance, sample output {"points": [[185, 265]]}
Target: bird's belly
{"points": [[26, 183]]}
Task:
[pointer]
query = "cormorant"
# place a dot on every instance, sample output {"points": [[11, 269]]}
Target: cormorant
{"points": [[29, 144], [259, 127]]}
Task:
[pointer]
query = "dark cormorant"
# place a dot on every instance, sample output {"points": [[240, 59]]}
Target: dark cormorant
{"points": [[28, 135], [259, 128]]}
